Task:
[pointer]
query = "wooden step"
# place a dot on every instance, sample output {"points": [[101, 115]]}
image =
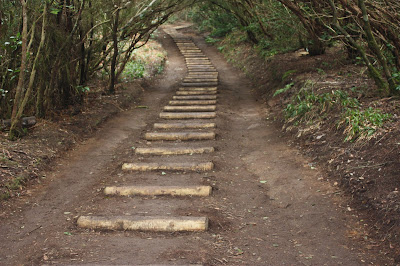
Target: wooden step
{"points": [[198, 89], [196, 97], [142, 223], [199, 80], [199, 84], [173, 151], [200, 102], [143, 167], [188, 92], [184, 125], [200, 191], [191, 108], [172, 136], [188, 115]]}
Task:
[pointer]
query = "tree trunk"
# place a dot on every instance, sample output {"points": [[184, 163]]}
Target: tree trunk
{"points": [[16, 127], [111, 86]]}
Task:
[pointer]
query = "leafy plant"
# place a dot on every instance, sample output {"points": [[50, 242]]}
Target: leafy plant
{"points": [[363, 124], [288, 73], [359, 124], [284, 89]]}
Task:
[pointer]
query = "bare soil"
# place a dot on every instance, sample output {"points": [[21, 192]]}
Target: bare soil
{"points": [[268, 208], [366, 172]]}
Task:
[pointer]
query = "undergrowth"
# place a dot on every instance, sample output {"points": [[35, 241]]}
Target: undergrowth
{"points": [[308, 107], [145, 62]]}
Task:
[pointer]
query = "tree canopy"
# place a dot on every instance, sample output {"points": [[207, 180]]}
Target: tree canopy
{"points": [[49, 49]]}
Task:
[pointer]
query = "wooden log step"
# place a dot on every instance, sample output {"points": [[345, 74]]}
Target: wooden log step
{"points": [[199, 80], [206, 64], [201, 60], [196, 59], [208, 70], [191, 108], [173, 151], [194, 56], [189, 49], [183, 191], [191, 53], [203, 69], [189, 115], [190, 77], [184, 125], [143, 167], [199, 102], [188, 92], [172, 136], [194, 74], [199, 84], [195, 97], [198, 66], [199, 89], [140, 223]]}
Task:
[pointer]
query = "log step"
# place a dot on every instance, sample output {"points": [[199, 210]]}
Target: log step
{"points": [[191, 108], [172, 136], [196, 63], [199, 80], [199, 84], [195, 56], [209, 70], [196, 167], [187, 92], [173, 151], [201, 77], [199, 89], [200, 102], [139, 223], [196, 97], [200, 191], [184, 125], [189, 115]]}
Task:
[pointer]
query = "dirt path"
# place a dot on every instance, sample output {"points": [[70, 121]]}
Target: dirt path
{"points": [[268, 206]]}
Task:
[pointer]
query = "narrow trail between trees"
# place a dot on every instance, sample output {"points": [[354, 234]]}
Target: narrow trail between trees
{"points": [[197, 175]]}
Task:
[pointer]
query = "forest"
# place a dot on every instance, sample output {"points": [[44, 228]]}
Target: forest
{"points": [[50, 49], [326, 71]]}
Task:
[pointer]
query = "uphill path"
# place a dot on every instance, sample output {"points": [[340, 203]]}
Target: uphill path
{"points": [[198, 177]]}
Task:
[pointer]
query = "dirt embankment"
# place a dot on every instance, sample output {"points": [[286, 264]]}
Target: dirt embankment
{"points": [[365, 171]]}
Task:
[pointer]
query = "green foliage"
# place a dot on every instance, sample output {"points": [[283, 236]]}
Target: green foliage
{"points": [[133, 70], [363, 124], [213, 19], [288, 73], [284, 89], [306, 106]]}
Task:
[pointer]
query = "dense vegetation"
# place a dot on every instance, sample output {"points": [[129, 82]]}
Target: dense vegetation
{"points": [[50, 49], [370, 30]]}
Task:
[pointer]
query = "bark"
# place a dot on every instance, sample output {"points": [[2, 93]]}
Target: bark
{"points": [[374, 46], [16, 126], [111, 86], [15, 130], [381, 83]]}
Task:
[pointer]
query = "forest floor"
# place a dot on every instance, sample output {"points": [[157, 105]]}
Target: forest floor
{"points": [[271, 203]]}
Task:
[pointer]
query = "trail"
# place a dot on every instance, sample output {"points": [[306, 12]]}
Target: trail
{"points": [[267, 206]]}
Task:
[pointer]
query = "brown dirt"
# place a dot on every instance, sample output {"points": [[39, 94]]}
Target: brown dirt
{"points": [[269, 207], [367, 172]]}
